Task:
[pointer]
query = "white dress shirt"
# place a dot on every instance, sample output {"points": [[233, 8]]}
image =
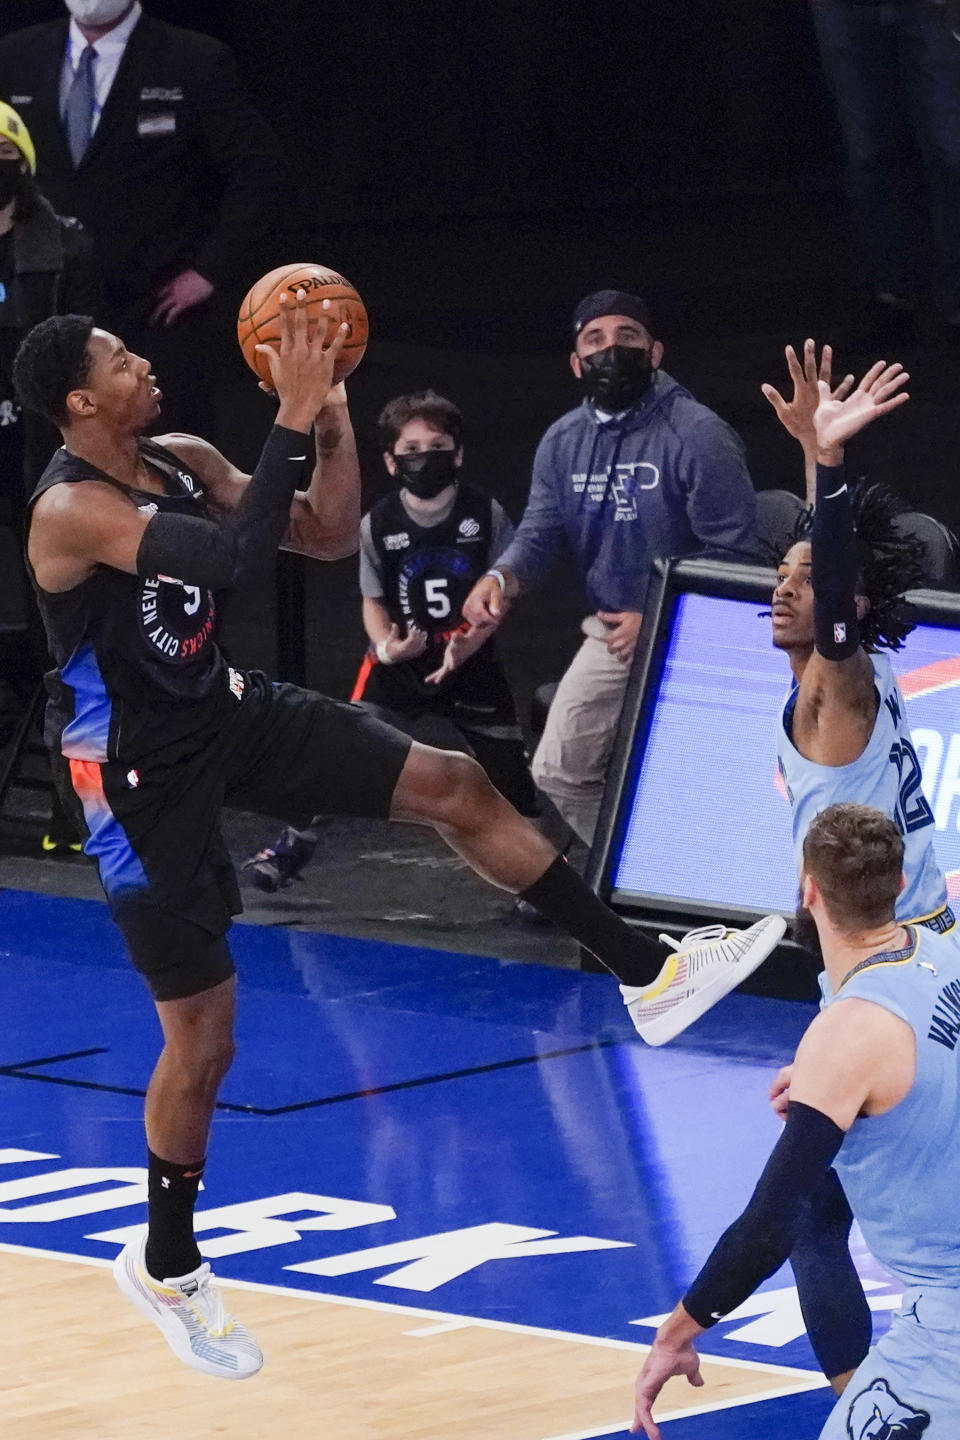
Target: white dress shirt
{"points": [[109, 48]]}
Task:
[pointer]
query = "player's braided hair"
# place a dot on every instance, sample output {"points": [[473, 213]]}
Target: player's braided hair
{"points": [[890, 563]]}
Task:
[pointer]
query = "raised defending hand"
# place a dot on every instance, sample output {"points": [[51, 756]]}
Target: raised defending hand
{"points": [[663, 1362], [837, 421], [796, 414], [301, 371]]}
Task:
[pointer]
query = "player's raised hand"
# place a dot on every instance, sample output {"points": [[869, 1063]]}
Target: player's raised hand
{"points": [[796, 414], [662, 1363], [301, 371], [837, 420]]}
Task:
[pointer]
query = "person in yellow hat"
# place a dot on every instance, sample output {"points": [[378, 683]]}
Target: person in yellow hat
{"points": [[45, 269]]}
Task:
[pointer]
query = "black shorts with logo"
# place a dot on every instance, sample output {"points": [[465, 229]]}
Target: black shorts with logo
{"points": [[154, 828]]}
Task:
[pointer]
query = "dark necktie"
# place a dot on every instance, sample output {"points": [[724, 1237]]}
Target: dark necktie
{"points": [[81, 99]]}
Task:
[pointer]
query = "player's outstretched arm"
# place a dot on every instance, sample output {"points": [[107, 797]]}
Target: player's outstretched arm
{"points": [[325, 518], [796, 415], [834, 1076], [838, 418], [671, 1353], [836, 705]]}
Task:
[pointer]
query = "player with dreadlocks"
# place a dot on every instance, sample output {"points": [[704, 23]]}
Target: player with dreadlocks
{"points": [[838, 605]]}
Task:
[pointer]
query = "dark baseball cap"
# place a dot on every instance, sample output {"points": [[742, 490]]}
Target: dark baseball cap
{"points": [[611, 302]]}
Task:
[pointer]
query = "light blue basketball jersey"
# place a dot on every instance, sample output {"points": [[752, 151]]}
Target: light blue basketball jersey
{"points": [[901, 1170], [887, 776]]}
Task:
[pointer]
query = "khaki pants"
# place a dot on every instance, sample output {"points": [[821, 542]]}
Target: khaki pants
{"points": [[570, 764]]}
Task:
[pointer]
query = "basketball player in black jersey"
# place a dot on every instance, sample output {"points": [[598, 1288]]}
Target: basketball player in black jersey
{"points": [[130, 543]]}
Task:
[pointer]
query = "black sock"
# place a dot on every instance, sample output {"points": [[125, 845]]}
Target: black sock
{"points": [[565, 898], [171, 1195]]}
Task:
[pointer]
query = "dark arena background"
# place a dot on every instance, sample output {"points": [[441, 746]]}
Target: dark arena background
{"points": [[474, 169]]}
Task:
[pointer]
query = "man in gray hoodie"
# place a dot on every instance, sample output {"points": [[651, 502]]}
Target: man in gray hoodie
{"points": [[639, 470]]}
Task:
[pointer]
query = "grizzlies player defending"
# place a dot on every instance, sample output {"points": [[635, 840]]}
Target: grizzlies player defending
{"points": [[875, 1093], [843, 736], [129, 541]]}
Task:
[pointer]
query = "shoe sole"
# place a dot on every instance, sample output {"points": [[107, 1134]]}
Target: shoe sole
{"points": [[171, 1330], [668, 1027]]}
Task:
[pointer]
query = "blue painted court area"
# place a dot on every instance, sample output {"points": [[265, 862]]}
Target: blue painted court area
{"points": [[452, 1133]]}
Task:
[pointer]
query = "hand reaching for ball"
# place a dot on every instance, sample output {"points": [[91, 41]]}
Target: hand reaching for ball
{"points": [[301, 371]]}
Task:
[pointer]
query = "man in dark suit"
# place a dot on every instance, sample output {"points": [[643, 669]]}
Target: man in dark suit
{"points": [[143, 132]]}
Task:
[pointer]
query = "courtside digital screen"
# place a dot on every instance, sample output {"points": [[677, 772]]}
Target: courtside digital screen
{"points": [[704, 818]]}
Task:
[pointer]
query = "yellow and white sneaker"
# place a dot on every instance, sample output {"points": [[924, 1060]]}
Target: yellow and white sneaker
{"points": [[189, 1311], [705, 965]]}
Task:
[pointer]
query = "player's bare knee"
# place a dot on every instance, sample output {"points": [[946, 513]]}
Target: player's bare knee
{"points": [[446, 789], [468, 795], [200, 1067]]}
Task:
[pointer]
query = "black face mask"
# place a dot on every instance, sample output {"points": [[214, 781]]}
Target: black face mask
{"points": [[426, 472], [11, 176], [617, 377]]}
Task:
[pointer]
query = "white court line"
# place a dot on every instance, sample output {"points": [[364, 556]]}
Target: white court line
{"points": [[817, 1382], [445, 1327], [439, 1316]]}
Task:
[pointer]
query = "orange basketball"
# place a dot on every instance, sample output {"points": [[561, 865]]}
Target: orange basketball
{"points": [[259, 320]]}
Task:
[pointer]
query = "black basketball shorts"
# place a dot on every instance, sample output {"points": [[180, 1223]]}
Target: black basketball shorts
{"points": [[154, 827]]}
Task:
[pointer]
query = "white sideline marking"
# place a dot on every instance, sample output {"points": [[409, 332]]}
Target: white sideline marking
{"points": [[808, 1378]]}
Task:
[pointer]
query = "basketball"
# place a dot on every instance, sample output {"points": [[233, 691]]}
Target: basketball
{"points": [[259, 320]]}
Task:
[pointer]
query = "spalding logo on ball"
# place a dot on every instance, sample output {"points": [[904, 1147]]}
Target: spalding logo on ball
{"points": [[259, 320]]}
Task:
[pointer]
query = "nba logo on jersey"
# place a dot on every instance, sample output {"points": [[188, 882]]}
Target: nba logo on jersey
{"points": [[839, 634]]}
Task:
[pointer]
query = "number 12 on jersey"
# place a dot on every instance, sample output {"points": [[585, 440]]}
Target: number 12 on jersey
{"points": [[913, 812]]}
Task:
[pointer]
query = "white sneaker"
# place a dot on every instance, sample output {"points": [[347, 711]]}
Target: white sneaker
{"points": [[190, 1312], [705, 965]]}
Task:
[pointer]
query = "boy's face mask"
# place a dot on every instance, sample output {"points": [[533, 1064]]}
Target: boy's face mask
{"points": [[426, 472]]}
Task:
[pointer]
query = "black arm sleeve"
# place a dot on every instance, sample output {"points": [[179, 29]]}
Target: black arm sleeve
{"points": [[832, 1302], [833, 567], [757, 1244], [199, 552]]}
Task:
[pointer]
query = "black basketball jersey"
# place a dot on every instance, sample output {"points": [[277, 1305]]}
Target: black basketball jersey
{"points": [[429, 570], [137, 663]]}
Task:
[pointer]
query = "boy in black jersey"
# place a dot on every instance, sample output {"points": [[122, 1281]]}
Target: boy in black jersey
{"points": [[428, 673], [130, 543]]}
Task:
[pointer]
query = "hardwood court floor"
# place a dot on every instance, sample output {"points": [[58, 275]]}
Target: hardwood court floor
{"points": [[454, 1193], [80, 1364]]}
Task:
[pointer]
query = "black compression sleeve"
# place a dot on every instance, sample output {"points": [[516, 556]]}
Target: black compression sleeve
{"points": [[199, 552], [833, 567], [832, 1302], [757, 1244]]}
